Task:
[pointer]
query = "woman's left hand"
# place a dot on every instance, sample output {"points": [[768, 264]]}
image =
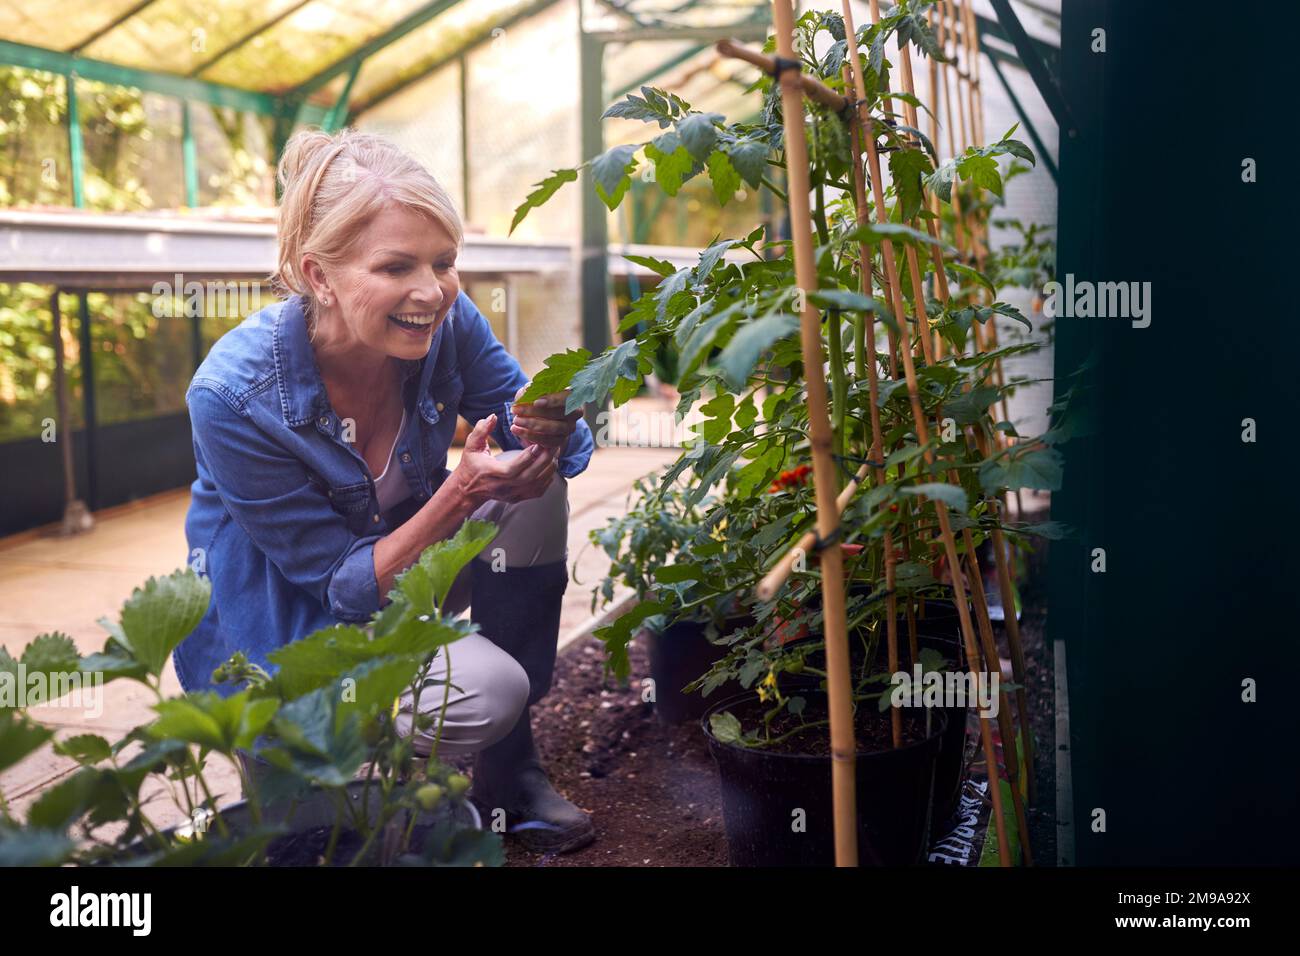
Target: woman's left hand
{"points": [[544, 422]]}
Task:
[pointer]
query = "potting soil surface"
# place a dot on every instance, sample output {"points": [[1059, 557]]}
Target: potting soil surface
{"points": [[653, 789]]}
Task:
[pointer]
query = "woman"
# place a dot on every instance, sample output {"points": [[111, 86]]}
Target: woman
{"points": [[321, 427]]}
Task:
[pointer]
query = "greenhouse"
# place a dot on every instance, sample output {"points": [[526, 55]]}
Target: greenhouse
{"points": [[581, 433]]}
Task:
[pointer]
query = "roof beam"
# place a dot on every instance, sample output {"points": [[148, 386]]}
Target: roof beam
{"points": [[111, 25]]}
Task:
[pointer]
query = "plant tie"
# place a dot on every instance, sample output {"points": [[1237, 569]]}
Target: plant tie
{"points": [[820, 544], [780, 64]]}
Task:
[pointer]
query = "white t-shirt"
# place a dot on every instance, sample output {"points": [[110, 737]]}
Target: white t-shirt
{"points": [[391, 487]]}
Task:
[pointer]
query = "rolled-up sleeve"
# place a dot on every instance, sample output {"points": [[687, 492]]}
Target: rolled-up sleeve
{"points": [[269, 494], [493, 377]]}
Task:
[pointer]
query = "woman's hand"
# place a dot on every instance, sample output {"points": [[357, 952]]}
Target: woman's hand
{"points": [[482, 477], [543, 421]]}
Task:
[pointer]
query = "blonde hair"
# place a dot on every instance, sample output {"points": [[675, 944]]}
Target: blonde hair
{"points": [[331, 186]]}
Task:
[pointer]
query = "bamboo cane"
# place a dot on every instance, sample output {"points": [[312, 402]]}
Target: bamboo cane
{"points": [[825, 476], [873, 386], [977, 587], [1005, 588], [914, 398]]}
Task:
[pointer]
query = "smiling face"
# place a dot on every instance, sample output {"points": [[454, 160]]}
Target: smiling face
{"points": [[395, 290]]}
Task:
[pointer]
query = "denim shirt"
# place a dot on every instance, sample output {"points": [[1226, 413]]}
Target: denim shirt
{"points": [[283, 516]]}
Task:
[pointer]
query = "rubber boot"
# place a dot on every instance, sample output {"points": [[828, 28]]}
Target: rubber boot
{"points": [[518, 609]]}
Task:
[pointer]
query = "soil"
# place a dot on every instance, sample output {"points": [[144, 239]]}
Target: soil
{"points": [[653, 789]]}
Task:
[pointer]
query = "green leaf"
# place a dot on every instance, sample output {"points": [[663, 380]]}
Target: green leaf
{"points": [[1051, 530], [86, 749], [611, 173], [594, 381], [1011, 312], [940, 181], [710, 258], [981, 170], [677, 573], [652, 107], [657, 266], [912, 575], [19, 736], [970, 407], [544, 190], [223, 724], [875, 232], [725, 727], [672, 163], [373, 687], [34, 847], [907, 166], [443, 560], [742, 352], [616, 635], [556, 376], [157, 617], [53, 653], [698, 134], [749, 157], [717, 423], [951, 495], [1038, 469], [845, 301], [725, 178], [312, 745], [668, 288], [974, 275]]}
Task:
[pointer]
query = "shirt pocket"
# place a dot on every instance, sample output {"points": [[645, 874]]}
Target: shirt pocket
{"points": [[443, 399], [353, 502]]}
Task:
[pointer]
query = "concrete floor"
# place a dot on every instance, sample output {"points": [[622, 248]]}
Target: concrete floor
{"points": [[48, 583]]}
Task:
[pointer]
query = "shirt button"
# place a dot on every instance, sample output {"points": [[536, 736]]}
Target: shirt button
{"points": [[439, 406], [375, 519], [324, 421], [406, 456]]}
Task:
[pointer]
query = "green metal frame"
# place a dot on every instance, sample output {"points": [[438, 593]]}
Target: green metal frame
{"points": [[168, 84]]}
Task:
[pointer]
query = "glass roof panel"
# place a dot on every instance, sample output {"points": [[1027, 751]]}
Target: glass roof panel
{"points": [[443, 36], [181, 36], [25, 22], [308, 41], [686, 13]]}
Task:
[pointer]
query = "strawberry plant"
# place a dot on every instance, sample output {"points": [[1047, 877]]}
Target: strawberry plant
{"points": [[322, 717]]}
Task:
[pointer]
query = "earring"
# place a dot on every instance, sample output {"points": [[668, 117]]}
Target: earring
{"points": [[324, 300]]}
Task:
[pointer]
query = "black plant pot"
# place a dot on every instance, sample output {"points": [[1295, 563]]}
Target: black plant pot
{"points": [[762, 792], [937, 617], [680, 654], [950, 771], [318, 809]]}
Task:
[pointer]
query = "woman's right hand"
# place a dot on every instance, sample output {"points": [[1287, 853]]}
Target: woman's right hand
{"points": [[482, 476]]}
